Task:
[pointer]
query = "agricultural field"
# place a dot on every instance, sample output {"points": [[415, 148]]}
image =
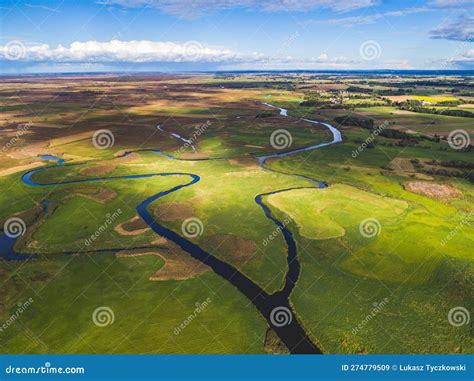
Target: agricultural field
{"points": [[236, 213]]}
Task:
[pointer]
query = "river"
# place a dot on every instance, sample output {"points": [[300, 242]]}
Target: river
{"points": [[292, 333]]}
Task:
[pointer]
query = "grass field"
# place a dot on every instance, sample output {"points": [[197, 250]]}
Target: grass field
{"points": [[367, 244], [409, 261], [146, 313]]}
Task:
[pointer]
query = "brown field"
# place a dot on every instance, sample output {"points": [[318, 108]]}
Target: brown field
{"points": [[440, 192], [178, 266], [100, 194], [237, 250], [174, 211], [133, 226]]}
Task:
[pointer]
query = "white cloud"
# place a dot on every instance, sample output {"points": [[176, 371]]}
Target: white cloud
{"points": [[43, 7], [462, 30], [111, 55], [464, 60], [450, 3], [196, 8], [92, 54], [122, 51], [323, 61], [370, 19]]}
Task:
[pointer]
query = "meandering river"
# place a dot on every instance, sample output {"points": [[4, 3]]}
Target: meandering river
{"points": [[291, 333]]}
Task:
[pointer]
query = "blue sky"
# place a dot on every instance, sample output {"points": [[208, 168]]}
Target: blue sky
{"points": [[171, 35]]}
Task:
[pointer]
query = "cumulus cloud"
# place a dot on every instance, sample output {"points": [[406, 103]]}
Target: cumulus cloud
{"points": [[465, 60], [370, 19], [196, 8], [122, 51], [97, 54], [462, 30]]}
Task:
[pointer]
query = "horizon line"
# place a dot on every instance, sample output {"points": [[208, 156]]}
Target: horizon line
{"points": [[289, 71]]}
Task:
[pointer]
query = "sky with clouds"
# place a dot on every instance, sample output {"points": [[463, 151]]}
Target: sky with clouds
{"points": [[181, 35]]}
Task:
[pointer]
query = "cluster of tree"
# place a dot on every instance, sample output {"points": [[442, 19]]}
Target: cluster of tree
{"points": [[381, 92], [367, 123], [389, 92], [450, 168], [337, 100], [253, 84], [225, 76], [464, 113], [400, 138], [417, 106], [354, 120], [366, 104], [405, 143], [397, 134], [450, 172], [264, 114], [325, 104], [314, 103], [461, 93], [356, 89], [429, 83], [367, 143], [453, 103], [452, 164], [416, 163]]}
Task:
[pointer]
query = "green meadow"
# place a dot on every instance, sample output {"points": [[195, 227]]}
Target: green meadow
{"points": [[419, 259], [382, 264], [66, 290]]}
